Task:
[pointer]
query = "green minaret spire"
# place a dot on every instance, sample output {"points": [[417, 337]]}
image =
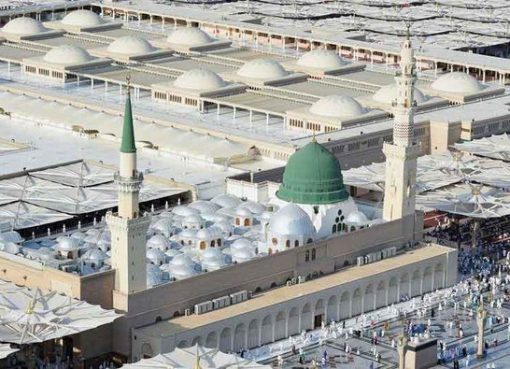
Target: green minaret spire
{"points": [[128, 132]]}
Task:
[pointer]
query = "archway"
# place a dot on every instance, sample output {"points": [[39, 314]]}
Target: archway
{"points": [[253, 334], [306, 318], [380, 297], [427, 280], [226, 340], [404, 286], [279, 326], [345, 306], [416, 283], [368, 301], [356, 303], [266, 330], [332, 310], [147, 351], [239, 338], [196, 341], [438, 276], [211, 340], [293, 321], [318, 317], [182, 344], [393, 291]]}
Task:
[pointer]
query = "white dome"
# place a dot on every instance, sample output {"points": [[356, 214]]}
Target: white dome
{"points": [[226, 201], [321, 59], [357, 218], [96, 255], [154, 276], [387, 94], [156, 256], [291, 220], [205, 206], [199, 80], [190, 36], [11, 236], [205, 235], [80, 236], [159, 242], [67, 244], [82, 18], [187, 233], [24, 26], [457, 82], [241, 243], [163, 226], [67, 54], [182, 260], [172, 253], [254, 207], [181, 271], [337, 106], [243, 212], [262, 69], [184, 211], [10, 248], [243, 254], [131, 45], [213, 259]]}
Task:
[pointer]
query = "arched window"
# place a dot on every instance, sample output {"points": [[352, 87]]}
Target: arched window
{"points": [[275, 241], [307, 255], [246, 222], [333, 229], [313, 254], [202, 245], [339, 212], [219, 241], [213, 243], [353, 228], [309, 240], [238, 221], [296, 243], [287, 243]]}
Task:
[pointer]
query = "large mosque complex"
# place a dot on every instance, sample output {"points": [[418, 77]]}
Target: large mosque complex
{"points": [[187, 171]]}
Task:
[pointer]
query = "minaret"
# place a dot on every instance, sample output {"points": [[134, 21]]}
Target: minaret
{"points": [[401, 155], [128, 228]]}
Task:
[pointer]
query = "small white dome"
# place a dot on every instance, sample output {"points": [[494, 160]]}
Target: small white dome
{"points": [[184, 211], [205, 206], [262, 69], [80, 236], [154, 276], [253, 206], [190, 36], [24, 26], [291, 220], [204, 235], [241, 243], [159, 242], [387, 94], [156, 256], [82, 18], [67, 54], [321, 59], [457, 82], [213, 259], [199, 80], [131, 45], [357, 218], [10, 248], [172, 253], [337, 106], [243, 212], [11, 236], [95, 255], [181, 271], [187, 233], [182, 260], [163, 226], [243, 254], [226, 201], [67, 244]]}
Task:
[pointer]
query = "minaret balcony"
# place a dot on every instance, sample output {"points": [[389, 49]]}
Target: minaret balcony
{"points": [[129, 184]]}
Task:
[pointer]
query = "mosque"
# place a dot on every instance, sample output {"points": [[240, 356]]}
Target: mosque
{"points": [[240, 271]]}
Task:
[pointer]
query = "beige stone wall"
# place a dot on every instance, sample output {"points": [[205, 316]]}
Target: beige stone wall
{"points": [[164, 301]]}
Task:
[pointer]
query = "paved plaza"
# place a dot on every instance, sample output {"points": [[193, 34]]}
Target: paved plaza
{"points": [[453, 324]]}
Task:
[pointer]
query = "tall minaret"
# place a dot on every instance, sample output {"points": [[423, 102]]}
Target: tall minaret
{"points": [[128, 228], [401, 155]]}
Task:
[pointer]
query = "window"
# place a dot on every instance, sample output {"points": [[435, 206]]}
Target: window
{"points": [[275, 241], [287, 243], [313, 254], [316, 209], [307, 255], [333, 229], [296, 243]]}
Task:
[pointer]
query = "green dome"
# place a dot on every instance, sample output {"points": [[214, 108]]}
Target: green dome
{"points": [[312, 176]]}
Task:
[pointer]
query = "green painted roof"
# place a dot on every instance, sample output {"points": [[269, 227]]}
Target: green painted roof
{"points": [[128, 132], [312, 176]]}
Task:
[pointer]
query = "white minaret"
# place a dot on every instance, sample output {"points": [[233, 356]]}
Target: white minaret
{"points": [[128, 228], [401, 155]]}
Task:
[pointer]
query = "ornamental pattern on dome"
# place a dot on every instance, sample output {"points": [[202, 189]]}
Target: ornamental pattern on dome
{"points": [[312, 176], [321, 59]]}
